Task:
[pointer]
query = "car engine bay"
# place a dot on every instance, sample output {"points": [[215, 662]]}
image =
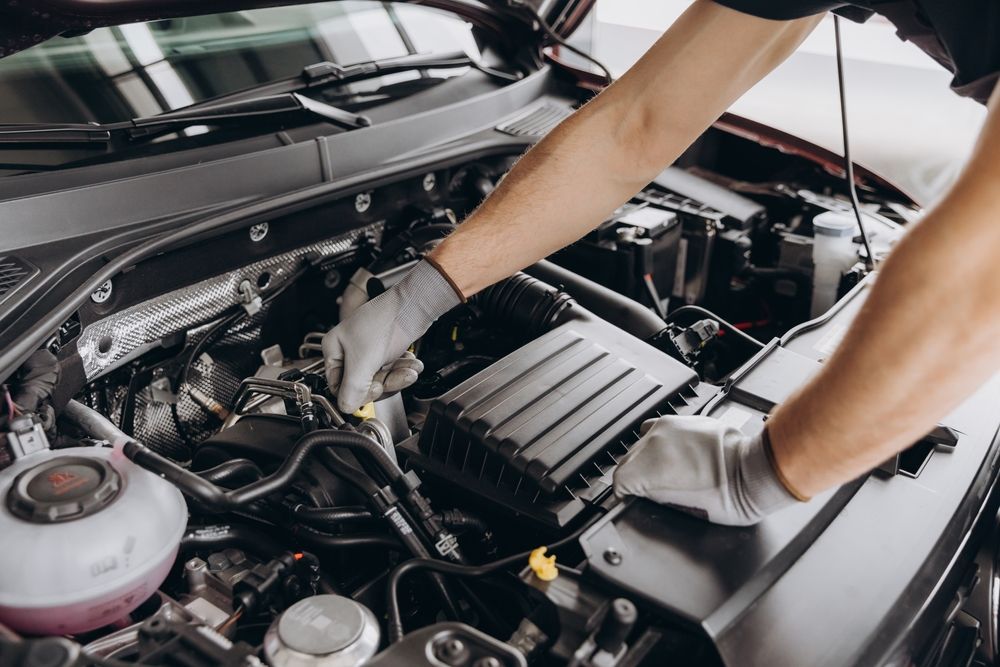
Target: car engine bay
{"points": [[179, 487]]}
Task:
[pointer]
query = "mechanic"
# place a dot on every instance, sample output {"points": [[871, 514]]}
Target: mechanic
{"points": [[924, 341]]}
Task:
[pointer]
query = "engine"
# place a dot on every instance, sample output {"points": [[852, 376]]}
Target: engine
{"points": [[178, 486]]}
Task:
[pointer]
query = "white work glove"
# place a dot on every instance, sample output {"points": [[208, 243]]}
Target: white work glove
{"points": [[366, 355], [704, 467], [356, 293]]}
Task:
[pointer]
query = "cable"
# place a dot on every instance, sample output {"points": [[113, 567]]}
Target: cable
{"points": [[395, 621], [554, 36], [848, 162], [728, 326]]}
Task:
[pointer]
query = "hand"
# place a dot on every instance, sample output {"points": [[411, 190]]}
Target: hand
{"points": [[366, 355], [704, 467]]}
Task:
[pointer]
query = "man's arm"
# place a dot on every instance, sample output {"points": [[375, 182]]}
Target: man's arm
{"points": [[610, 149], [565, 186], [924, 341]]}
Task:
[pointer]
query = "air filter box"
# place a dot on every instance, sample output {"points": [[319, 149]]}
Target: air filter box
{"points": [[541, 430]]}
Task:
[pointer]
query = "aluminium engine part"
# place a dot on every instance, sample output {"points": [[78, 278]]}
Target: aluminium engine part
{"points": [[286, 389], [87, 535], [322, 631], [123, 336]]}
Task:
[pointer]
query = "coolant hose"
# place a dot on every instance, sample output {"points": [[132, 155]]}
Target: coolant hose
{"points": [[234, 470], [92, 422], [217, 499], [324, 516], [216, 537]]}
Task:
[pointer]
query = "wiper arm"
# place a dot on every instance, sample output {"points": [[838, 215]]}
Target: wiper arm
{"points": [[326, 73], [218, 113]]}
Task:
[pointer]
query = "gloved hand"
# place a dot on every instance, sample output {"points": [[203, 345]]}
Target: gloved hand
{"points": [[704, 467], [365, 355]]}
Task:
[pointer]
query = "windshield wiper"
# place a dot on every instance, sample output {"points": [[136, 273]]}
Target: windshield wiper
{"points": [[322, 74], [217, 113]]}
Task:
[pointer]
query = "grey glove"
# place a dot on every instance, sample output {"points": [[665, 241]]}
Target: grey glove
{"points": [[366, 355], [356, 293], [704, 467]]}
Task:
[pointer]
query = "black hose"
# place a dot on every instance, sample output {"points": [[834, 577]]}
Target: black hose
{"points": [[317, 538], [728, 326], [524, 304], [216, 499], [398, 522], [216, 537], [395, 621], [461, 520], [242, 470], [332, 515], [605, 303]]}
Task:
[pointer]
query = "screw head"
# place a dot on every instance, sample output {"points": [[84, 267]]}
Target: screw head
{"points": [[488, 661], [363, 202], [612, 556], [258, 232], [430, 181], [451, 651], [102, 293]]}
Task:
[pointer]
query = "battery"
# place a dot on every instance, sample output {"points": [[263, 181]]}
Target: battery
{"points": [[633, 253]]}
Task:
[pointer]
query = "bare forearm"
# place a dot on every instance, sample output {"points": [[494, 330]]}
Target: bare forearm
{"points": [[924, 341], [562, 188], [602, 155]]}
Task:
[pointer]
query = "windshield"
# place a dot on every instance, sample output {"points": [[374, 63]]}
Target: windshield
{"points": [[142, 69]]}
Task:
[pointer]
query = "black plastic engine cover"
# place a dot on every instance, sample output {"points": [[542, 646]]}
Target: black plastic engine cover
{"points": [[861, 575], [541, 430]]}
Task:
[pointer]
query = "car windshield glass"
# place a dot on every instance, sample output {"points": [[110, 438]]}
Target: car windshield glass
{"points": [[142, 69]]}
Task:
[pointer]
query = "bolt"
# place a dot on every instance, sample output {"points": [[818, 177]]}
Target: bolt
{"points": [[258, 232], [451, 651], [102, 293], [430, 181], [362, 202], [488, 661], [613, 556]]}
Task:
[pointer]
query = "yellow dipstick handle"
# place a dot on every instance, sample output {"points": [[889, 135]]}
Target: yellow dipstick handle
{"points": [[543, 566], [366, 411]]}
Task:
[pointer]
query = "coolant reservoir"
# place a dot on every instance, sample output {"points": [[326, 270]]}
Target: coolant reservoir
{"points": [[87, 536], [834, 253]]}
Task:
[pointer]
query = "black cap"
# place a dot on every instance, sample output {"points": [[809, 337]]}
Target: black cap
{"points": [[63, 489], [617, 625]]}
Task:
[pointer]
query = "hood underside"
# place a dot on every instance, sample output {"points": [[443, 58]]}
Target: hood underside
{"points": [[25, 24]]}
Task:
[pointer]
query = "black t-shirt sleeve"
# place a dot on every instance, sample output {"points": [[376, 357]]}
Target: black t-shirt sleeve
{"points": [[786, 10]]}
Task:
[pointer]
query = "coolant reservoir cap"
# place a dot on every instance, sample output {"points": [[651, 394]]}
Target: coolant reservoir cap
{"points": [[62, 489], [834, 223]]}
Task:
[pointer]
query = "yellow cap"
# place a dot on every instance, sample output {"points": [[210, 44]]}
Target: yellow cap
{"points": [[366, 411], [543, 566]]}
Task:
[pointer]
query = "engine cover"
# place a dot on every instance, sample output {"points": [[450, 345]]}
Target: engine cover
{"points": [[541, 430]]}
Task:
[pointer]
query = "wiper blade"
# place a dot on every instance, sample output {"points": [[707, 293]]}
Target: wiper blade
{"points": [[326, 73], [261, 107]]}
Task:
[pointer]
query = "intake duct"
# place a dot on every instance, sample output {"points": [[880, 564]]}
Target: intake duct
{"points": [[541, 430]]}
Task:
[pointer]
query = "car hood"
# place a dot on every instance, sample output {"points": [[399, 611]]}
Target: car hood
{"points": [[24, 24]]}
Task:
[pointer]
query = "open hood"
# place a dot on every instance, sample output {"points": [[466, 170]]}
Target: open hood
{"points": [[24, 24]]}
